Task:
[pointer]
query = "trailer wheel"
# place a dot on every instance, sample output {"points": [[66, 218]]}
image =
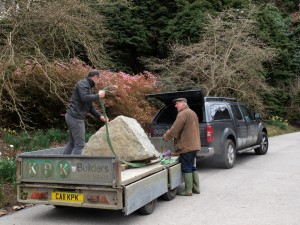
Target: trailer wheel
{"points": [[148, 208], [170, 195]]}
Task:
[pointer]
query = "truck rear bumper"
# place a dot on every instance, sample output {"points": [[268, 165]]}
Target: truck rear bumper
{"points": [[205, 152]]}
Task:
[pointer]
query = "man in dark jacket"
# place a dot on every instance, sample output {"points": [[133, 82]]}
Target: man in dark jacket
{"points": [[186, 134], [81, 104]]}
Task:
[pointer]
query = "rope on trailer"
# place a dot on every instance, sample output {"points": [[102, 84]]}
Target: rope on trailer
{"points": [[166, 156], [136, 165], [164, 160]]}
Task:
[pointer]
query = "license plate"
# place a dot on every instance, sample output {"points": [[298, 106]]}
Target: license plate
{"points": [[67, 197]]}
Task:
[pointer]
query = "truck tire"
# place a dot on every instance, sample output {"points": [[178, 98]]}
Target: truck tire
{"points": [[148, 208], [264, 145], [170, 195], [229, 155]]}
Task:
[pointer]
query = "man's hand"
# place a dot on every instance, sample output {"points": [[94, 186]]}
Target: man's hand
{"points": [[101, 93], [165, 136], [102, 118]]}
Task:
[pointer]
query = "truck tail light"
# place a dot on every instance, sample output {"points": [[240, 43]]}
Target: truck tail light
{"points": [[39, 195], [209, 134]]}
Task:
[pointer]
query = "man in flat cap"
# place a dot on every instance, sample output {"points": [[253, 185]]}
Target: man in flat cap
{"points": [[81, 104], [186, 134]]}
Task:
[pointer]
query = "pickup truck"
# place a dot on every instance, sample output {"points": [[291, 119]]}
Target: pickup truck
{"points": [[227, 127], [49, 177]]}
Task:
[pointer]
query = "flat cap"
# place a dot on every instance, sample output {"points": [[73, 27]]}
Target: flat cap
{"points": [[179, 100], [93, 73]]}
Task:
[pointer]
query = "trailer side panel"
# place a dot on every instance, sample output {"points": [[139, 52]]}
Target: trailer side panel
{"points": [[144, 191]]}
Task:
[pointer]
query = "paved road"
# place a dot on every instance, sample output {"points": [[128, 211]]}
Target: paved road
{"points": [[259, 190]]}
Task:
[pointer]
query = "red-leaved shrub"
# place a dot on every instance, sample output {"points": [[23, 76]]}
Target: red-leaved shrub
{"points": [[39, 94], [127, 95]]}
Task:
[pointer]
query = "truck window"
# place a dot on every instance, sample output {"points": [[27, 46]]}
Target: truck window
{"points": [[169, 113], [236, 112], [247, 114], [219, 112], [198, 109]]}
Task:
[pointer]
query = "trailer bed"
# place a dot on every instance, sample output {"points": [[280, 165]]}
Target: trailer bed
{"points": [[48, 177]]}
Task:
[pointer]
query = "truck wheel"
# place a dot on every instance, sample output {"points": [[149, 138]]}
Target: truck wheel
{"points": [[229, 155], [170, 195], [148, 208], [264, 145]]}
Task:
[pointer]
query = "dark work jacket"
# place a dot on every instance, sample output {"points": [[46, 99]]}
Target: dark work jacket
{"points": [[82, 100]]}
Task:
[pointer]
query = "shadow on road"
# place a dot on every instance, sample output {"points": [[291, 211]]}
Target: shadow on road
{"points": [[241, 158], [72, 215]]}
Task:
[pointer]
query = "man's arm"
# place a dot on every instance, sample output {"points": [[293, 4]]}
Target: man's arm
{"points": [[175, 130], [85, 94]]}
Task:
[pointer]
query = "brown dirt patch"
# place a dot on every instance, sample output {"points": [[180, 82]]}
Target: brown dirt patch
{"points": [[8, 199], [8, 191]]}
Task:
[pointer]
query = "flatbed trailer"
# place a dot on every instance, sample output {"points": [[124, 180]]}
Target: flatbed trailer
{"points": [[49, 177]]}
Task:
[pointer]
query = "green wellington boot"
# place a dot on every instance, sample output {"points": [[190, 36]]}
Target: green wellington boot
{"points": [[188, 179], [196, 184]]}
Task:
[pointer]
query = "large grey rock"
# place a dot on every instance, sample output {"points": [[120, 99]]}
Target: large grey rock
{"points": [[128, 139]]}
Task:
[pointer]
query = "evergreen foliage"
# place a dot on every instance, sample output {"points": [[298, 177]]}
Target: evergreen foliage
{"points": [[283, 74], [188, 24]]}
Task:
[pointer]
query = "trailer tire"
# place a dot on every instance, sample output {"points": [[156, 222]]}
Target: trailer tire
{"points": [[170, 195], [148, 208]]}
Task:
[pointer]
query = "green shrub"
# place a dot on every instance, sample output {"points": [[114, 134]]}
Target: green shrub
{"points": [[56, 135], [7, 170], [34, 140], [278, 122]]}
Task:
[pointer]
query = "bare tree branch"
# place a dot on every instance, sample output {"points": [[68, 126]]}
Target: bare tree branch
{"points": [[228, 61], [34, 35]]}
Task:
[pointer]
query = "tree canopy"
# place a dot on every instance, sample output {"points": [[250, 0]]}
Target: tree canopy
{"points": [[213, 44]]}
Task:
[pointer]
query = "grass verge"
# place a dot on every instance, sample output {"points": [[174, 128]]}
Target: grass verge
{"points": [[275, 130]]}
